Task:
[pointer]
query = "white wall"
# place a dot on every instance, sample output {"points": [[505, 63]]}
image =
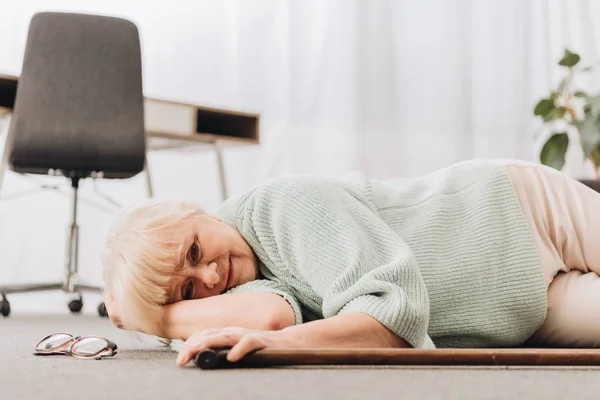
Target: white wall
{"points": [[392, 88]]}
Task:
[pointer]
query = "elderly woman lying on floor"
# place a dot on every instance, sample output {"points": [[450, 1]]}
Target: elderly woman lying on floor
{"points": [[478, 254]]}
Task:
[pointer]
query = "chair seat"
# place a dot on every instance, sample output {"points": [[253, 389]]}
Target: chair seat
{"points": [[39, 156]]}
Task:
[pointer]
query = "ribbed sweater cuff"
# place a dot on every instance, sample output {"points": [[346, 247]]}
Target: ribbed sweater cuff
{"points": [[266, 286], [293, 303], [407, 328]]}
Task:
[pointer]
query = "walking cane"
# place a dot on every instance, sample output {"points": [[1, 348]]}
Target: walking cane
{"points": [[217, 358]]}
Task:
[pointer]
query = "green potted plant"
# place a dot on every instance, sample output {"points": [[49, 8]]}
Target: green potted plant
{"points": [[581, 113]]}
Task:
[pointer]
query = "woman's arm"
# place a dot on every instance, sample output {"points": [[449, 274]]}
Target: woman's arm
{"points": [[258, 311], [252, 310], [348, 330]]}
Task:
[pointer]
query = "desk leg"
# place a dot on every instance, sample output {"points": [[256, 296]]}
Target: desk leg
{"points": [[149, 189], [221, 166], [4, 160]]}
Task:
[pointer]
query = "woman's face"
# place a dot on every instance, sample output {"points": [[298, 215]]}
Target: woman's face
{"points": [[213, 258]]}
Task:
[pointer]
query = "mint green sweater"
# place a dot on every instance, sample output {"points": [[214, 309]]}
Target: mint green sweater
{"points": [[445, 260]]}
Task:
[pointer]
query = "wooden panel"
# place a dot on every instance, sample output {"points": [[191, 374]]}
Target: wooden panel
{"points": [[166, 119], [212, 359]]}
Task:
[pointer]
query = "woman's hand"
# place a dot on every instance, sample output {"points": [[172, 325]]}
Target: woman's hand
{"points": [[241, 341]]}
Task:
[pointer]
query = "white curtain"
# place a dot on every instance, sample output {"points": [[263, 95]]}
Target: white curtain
{"points": [[392, 88]]}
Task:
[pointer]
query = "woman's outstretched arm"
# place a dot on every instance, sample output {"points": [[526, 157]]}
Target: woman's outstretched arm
{"points": [[252, 310], [260, 311]]}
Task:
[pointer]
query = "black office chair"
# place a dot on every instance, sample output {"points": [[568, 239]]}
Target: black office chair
{"points": [[78, 114]]}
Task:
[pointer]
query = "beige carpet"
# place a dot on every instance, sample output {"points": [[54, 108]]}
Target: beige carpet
{"points": [[146, 370]]}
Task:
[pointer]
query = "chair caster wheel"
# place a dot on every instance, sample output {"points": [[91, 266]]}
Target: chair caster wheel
{"points": [[76, 305], [102, 310], [4, 307]]}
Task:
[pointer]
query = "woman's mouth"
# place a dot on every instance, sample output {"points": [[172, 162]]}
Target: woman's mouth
{"points": [[230, 274]]}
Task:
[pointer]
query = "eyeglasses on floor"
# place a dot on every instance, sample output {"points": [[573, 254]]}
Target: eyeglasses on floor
{"points": [[84, 347]]}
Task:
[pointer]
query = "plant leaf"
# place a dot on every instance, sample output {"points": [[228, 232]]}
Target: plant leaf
{"points": [[595, 156], [544, 107], [569, 59], [578, 123], [590, 135], [594, 103], [581, 94], [557, 113], [554, 150]]}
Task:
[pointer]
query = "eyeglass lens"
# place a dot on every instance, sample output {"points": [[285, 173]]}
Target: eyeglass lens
{"points": [[53, 341], [89, 346]]}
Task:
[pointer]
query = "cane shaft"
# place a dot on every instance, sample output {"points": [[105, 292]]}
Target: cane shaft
{"points": [[522, 356]]}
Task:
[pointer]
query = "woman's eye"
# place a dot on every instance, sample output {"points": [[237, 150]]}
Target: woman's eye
{"points": [[189, 288], [194, 252]]}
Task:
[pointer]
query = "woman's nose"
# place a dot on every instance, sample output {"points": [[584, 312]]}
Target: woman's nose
{"points": [[209, 275]]}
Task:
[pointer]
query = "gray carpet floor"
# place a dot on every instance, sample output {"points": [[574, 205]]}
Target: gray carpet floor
{"points": [[145, 369]]}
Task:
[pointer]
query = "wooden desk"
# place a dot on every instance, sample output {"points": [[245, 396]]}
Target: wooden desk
{"points": [[176, 125]]}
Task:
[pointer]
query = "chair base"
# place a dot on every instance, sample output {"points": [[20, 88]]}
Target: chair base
{"points": [[75, 305], [43, 287], [69, 283]]}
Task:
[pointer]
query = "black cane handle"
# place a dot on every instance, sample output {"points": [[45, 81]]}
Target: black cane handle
{"points": [[212, 359]]}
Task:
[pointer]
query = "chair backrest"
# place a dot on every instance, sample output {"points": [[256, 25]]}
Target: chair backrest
{"points": [[79, 104]]}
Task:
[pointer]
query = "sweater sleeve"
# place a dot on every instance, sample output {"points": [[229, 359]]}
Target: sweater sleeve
{"points": [[269, 286], [333, 239]]}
